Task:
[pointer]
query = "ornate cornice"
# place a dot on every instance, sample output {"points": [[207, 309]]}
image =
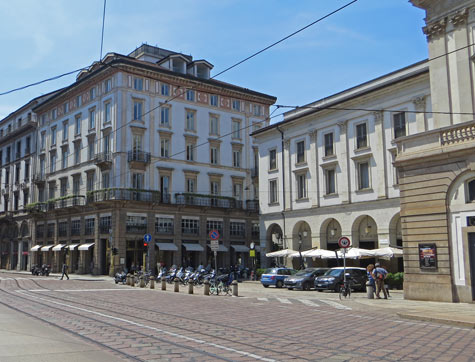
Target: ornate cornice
{"points": [[435, 28], [378, 116], [460, 18], [419, 101], [342, 126]]}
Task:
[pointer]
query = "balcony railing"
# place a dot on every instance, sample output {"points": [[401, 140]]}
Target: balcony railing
{"points": [[164, 229], [68, 201], [252, 205], [123, 194], [103, 159], [39, 177], [139, 156], [207, 200]]}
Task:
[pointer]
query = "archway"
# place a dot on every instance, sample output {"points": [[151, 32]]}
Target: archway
{"points": [[364, 235], [301, 241], [330, 232]]}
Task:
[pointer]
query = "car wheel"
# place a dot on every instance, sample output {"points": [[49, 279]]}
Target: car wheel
{"points": [[319, 290], [265, 285], [279, 284], [306, 286], [290, 288]]}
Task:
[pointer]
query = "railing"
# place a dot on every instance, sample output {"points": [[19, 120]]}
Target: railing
{"points": [[136, 228], [165, 198], [139, 156], [123, 194], [190, 231], [70, 201], [103, 158], [458, 134], [39, 177], [207, 200], [164, 230], [252, 205]]}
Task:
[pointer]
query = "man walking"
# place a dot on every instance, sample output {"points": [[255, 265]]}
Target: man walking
{"points": [[65, 271], [379, 274]]}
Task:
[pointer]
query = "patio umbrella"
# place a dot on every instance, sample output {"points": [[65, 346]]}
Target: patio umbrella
{"points": [[388, 253], [320, 253], [357, 253], [280, 253]]}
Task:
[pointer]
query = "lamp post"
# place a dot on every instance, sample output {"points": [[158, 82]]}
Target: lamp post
{"points": [[302, 266], [253, 258]]}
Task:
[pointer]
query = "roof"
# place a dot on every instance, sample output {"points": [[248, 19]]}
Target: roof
{"points": [[373, 85]]}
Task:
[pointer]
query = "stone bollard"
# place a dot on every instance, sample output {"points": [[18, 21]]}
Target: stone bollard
{"points": [[177, 286], [152, 283], [127, 280], [132, 280], [206, 287], [164, 284], [235, 288], [369, 291], [142, 282], [190, 288]]}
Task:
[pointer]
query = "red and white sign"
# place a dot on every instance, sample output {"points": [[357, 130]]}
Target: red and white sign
{"points": [[344, 242], [214, 234]]}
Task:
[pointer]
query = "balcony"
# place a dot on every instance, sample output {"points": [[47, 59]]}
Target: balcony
{"points": [[39, 178], [103, 160], [207, 201], [252, 205], [119, 194], [66, 201], [139, 159]]}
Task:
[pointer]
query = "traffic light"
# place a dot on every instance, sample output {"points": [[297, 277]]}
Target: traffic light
{"points": [[145, 244], [115, 251]]}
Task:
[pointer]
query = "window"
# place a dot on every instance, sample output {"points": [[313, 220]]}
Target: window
{"points": [[214, 188], [77, 124], [138, 110], [65, 130], [213, 99], [273, 192], [89, 229], [330, 181], [190, 185], [255, 230], [64, 158], [26, 197], [75, 227], [108, 85], [399, 122], [90, 148], [92, 118], [190, 95], [137, 181], [65, 108], [54, 114], [136, 224], [53, 158], [105, 224], [237, 229], [28, 145], [18, 150], [42, 121], [257, 110], [165, 187], [106, 143], [76, 184], [361, 136], [190, 152], [51, 191], [164, 225], [90, 181], [165, 116], [77, 153], [50, 230], [42, 166], [190, 120], [7, 177], [27, 171], [214, 155], [43, 140], [78, 101], [105, 180], [236, 128], [138, 84], [272, 159], [237, 191], [300, 151], [214, 225], [40, 230], [92, 93], [17, 173], [165, 89], [236, 158], [363, 175], [236, 105], [107, 112], [53, 136], [301, 186], [63, 228], [137, 143], [329, 144], [164, 147], [213, 125], [190, 226]]}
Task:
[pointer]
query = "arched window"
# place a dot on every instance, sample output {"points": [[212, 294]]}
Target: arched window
{"points": [[471, 191]]}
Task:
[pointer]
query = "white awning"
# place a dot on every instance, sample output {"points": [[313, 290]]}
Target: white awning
{"points": [[85, 246], [240, 248], [35, 248], [280, 253], [46, 248], [221, 248], [72, 246], [193, 247], [167, 246], [59, 247]]}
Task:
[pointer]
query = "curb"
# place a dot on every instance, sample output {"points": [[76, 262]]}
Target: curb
{"points": [[435, 319]]}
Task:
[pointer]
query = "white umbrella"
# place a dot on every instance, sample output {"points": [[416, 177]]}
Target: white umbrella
{"points": [[388, 253], [357, 253], [280, 253], [320, 253]]}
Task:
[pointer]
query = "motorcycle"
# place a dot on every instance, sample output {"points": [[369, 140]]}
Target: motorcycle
{"points": [[35, 270], [120, 277], [45, 269]]}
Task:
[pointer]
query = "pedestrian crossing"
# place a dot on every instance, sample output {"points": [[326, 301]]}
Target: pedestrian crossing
{"points": [[315, 303]]}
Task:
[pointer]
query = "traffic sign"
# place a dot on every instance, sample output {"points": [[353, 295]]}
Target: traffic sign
{"points": [[252, 253], [214, 245], [147, 238], [344, 242], [214, 234]]}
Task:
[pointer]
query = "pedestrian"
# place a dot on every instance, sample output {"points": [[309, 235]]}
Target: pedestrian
{"points": [[379, 274], [369, 272], [65, 271]]}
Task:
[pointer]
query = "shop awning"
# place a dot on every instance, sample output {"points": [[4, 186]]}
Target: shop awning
{"points": [[85, 246], [47, 248], [193, 247], [72, 246], [221, 248], [240, 248], [59, 247], [35, 248], [167, 246]]}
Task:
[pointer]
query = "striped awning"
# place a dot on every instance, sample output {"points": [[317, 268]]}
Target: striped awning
{"points": [[35, 248], [86, 246], [72, 246], [47, 247], [59, 247]]}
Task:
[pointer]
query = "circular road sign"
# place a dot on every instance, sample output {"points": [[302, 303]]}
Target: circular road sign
{"points": [[214, 234], [147, 238], [344, 242]]}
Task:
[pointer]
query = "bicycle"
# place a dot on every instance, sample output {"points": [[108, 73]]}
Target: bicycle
{"points": [[345, 290], [214, 287]]}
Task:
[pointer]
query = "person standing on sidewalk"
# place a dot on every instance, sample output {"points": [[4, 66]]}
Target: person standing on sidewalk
{"points": [[65, 271], [379, 274], [369, 272]]}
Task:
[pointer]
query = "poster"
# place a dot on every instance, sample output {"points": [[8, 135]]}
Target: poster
{"points": [[428, 256]]}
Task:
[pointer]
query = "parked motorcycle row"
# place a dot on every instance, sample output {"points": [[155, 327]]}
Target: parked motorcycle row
{"points": [[40, 270]]}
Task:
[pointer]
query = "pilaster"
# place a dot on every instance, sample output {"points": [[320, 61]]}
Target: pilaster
{"points": [[344, 186], [421, 116], [314, 189], [379, 154]]}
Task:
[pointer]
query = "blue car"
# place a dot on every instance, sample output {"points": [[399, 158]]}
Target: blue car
{"points": [[276, 276]]}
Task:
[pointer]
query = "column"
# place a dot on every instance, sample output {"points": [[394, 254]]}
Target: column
{"points": [[421, 117]]}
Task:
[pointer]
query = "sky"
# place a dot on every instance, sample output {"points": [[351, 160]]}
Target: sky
{"points": [[42, 39]]}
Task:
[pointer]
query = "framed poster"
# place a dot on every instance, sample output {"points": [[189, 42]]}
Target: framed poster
{"points": [[428, 256]]}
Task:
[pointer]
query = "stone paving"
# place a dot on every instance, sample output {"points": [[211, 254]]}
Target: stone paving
{"points": [[272, 325]]}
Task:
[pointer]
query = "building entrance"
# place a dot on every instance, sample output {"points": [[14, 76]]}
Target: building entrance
{"points": [[471, 250]]}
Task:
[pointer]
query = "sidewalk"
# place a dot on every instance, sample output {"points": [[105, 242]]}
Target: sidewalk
{"points": [[88, 277]]}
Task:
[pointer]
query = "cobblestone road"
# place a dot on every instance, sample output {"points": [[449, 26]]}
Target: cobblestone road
{"points": [[152, 325]]}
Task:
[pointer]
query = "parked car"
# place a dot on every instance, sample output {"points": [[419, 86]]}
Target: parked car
{"points": [[333, 279], [304, 279], [276, 276]]}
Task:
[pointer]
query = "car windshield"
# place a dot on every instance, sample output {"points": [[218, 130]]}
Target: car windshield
{"points": [[271, 271], [334, 272], [304, 273]]}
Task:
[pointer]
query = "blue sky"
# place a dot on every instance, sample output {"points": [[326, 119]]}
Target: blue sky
{"points": [[41, 39]]}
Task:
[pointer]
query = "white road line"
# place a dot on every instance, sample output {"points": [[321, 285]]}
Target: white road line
{"points": [[334, 304], [308, 302], [195, 340], [263, 299], [284, 300]]}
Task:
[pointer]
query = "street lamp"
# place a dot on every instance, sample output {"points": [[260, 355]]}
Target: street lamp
{"points": [[302, 266]]}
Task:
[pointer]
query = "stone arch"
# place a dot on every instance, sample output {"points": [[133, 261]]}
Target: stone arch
{"points": [[364, 232], [395, 230], [24, 230], [274, 237], [303, 232], [330, 232]]}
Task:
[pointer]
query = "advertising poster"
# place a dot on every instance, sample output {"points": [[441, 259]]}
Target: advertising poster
{"points": [[428, 256]]}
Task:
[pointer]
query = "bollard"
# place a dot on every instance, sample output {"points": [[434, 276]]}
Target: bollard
{"points": [[142, 282], [152, 283], [127, 280], [190, 288], [177, 286], [164, 284], [235, 288], [132, 280], [369, 291], [206, 287]]}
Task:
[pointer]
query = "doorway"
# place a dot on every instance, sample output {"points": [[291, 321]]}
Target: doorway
{"points": [[471, 252]]}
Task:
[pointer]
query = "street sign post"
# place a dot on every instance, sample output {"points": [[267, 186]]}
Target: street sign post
{"points": [[147, 238], [214, 234], [344, 243], [214, 244]]}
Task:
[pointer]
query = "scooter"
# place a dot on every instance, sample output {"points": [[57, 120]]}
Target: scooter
{"points": [[120, 277]]}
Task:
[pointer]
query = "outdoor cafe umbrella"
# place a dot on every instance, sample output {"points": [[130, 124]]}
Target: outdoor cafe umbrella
{"points": [[280, 253], [315, 253], [387, 253], [357, 253]]}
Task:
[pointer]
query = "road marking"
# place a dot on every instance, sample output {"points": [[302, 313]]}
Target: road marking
{"points": [[308, 302], [284, 300], [263, 299], [195, 340], [334, 304]]}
